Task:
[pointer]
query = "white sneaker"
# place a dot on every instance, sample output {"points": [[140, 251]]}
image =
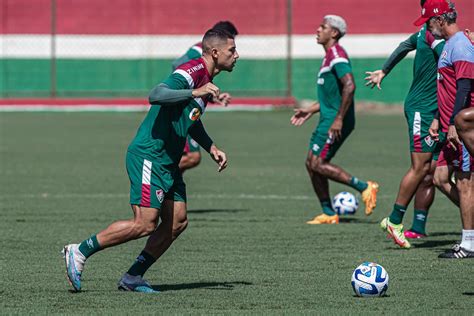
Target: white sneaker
{"points": [[135, 283], [74, 260]]}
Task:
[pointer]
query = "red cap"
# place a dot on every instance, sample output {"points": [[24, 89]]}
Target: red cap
{"points": [[432, 8]]}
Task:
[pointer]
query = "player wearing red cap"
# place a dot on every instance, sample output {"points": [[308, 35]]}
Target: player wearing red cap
{"points": [[455, 92], [420, 107]]}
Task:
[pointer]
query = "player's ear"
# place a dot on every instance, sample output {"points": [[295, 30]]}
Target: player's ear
{"points": [[214, 52]]}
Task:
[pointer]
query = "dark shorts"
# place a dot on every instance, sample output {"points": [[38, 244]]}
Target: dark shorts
{"points": [[151, 184], [324, 146], [460, 158]]}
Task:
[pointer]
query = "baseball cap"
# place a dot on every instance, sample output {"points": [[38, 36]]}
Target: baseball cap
{"points": [[432, 8]]}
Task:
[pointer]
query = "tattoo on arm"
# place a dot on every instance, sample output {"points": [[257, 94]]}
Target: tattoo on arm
{"points": [[348, 89]]}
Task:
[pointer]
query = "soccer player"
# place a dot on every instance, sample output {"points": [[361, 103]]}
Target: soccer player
{"points": [[455, 82], [337, 119], [192, 153], [157, 189], [420, 107]]}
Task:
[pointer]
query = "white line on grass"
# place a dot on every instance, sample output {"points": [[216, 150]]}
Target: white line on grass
{"points": [[191, 196]]}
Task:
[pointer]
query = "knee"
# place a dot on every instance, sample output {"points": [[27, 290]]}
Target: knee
{"points": [[143, 228], [422, 168], [428, 180], [439, 181], [179, 226]]}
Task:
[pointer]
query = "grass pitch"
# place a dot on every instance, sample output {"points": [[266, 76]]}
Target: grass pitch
{"points": [[247, 248]]}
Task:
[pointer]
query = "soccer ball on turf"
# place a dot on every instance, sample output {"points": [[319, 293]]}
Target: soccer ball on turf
{"points": [[345, 203], [370, 280]]}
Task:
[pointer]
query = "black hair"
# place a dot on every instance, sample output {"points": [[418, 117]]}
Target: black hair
{"points": [[226, 26], [213, 36]]}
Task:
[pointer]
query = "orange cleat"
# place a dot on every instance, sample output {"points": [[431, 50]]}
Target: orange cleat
{"points": [[369, 196], [324, 219]]}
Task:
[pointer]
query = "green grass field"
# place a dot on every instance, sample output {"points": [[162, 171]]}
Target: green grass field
{"points": [[247, 248]]}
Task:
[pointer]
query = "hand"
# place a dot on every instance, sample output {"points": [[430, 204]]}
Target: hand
{"points": [[301, 116], [434, 130], [335, 129], [453, 137], [219, 157], [374, 78], [223, 99], [208, 88]]}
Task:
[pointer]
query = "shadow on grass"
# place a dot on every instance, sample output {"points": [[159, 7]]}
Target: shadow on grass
{"points": [[468, 293], [435, 243], [199, 285], [444, 234], [355, 220], [218, 210]]}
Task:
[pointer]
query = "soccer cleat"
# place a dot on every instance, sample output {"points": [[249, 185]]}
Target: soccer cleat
{"points": [[135, 283], [396, 232], [369, 196], [74, 260], [457, 252], [324, 219], [411, 234]]}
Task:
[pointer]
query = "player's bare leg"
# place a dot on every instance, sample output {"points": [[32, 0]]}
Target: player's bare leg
{"points": [[424, 197], [320, 171], [465, 187], [464, 122], [173, 223], [143, 223], [442, 180], [189, 160], [420, 167], [321, 188]]}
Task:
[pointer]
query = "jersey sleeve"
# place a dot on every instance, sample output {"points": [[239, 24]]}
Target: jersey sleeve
{"points": [[199, 134], [400, 52], [178, 80], [342, 68], [463, 61]]}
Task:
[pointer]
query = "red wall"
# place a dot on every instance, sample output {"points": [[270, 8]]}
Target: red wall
{"points": [[187, 17]]}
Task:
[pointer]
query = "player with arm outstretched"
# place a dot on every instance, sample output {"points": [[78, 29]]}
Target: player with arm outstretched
{"points": [[420, 108], [157, 189], [337, 119]]}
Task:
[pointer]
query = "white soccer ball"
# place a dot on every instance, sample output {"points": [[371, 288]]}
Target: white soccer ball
{"points": [[345, 203], [369, 280]]}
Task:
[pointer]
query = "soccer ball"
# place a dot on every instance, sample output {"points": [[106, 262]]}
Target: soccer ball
{"points": [[370, 280], [345, 203]]}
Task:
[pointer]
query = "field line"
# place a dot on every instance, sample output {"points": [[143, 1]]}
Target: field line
{"points": [[190, 196]]}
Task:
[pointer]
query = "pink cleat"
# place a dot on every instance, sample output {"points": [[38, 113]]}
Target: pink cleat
{"points": [[414, 235]]}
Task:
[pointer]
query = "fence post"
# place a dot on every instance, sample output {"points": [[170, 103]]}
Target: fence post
{"points": [[289, 30], [53, 50]]}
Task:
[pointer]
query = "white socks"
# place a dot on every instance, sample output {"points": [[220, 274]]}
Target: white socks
{"points": [[468, 239]]}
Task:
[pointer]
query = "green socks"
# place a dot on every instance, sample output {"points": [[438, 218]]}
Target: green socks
{"points": [[358, 184], [419, 221], [327, 208], [89, 246], [141, 265], [396, 217]]}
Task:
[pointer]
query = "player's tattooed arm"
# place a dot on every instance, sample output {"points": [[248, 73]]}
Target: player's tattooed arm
{"points": [[348, 90]]}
